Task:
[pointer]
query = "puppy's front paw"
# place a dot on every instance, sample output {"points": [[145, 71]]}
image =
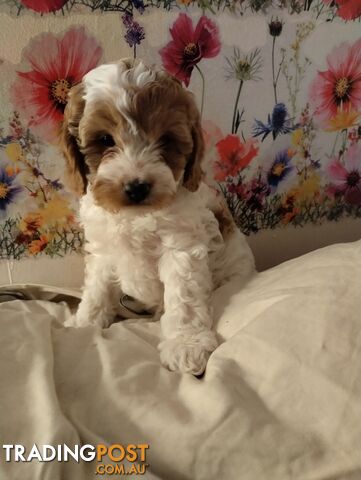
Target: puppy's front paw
{"points": [[188, 353]]}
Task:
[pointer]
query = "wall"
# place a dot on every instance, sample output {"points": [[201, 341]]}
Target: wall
{"points": [[279, 87]]}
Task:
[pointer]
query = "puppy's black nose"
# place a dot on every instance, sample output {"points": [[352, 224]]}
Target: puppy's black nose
{"points": [[137, 191]]}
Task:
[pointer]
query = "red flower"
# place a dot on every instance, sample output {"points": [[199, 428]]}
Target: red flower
{"points": [[347, 9], [44, 6], [189, 46], [56, 64], [234, 155], [338, 88]]}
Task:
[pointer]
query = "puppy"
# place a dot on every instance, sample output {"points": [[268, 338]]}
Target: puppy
{"points": [[133, 146]]}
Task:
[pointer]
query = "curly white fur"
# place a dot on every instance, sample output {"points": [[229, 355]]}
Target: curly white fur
{"points": [[170, 259]]}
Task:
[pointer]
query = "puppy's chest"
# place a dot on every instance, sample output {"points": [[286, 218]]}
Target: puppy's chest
{"points": [[137, 256], [133, 249], [137, 271]]}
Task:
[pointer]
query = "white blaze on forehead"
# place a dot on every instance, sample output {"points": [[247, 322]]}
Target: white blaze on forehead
{"points": [[113, 81], [135, 161]]}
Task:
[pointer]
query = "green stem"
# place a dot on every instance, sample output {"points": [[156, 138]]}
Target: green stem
{"points": [[334, 144], [203, 88], [344, 140], [236, 107], [280, 68], [273, 70], [320, 11]]}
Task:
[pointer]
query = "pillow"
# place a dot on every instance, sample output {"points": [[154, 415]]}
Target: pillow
{"points": [[280, 397]]}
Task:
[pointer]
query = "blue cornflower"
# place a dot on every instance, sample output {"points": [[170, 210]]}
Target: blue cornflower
{"points": [[280, 168], [135, 32], [6, 140], [8, 189], [277, 123]]}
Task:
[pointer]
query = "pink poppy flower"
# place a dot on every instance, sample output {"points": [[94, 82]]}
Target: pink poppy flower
{"points": [[338, 88], [188, 46], [44, 6], [233, 156], [40, 94], [346, 177]]}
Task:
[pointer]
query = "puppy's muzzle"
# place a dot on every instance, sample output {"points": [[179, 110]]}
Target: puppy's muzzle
{"points": [[137, 191]]}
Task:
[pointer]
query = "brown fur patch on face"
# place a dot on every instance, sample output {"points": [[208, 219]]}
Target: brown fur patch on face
{"points": [[101, 120], [172, 156], [224, 219], [108, 195], [166, 113]]}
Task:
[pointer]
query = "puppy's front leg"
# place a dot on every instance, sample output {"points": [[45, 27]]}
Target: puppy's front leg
{"points": [[186, 322], [101, 294]]}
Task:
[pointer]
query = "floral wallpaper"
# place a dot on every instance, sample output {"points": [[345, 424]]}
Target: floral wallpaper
{"points": [[278, 84]]}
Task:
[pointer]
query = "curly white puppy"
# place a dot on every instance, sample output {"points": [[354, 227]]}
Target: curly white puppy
{"points": [[133, 145]]}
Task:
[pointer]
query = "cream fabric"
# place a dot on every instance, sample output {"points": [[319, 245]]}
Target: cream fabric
{"points": [[281, 397]]}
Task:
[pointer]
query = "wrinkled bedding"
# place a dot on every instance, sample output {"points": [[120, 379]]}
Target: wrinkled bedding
{"points": [[280, 399]]}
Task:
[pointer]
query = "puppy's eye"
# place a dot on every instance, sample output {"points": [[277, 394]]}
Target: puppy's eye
{"points": [[107, 141], [166, 139]]}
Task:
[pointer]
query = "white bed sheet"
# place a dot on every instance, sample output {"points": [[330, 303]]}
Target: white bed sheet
{"points": [[281, 397]]}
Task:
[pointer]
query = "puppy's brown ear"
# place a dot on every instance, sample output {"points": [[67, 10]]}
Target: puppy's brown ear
{"points": [[193, 171], [75, 166]]}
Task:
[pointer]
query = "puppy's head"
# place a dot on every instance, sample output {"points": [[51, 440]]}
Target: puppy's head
{"points": [[134, 133]]}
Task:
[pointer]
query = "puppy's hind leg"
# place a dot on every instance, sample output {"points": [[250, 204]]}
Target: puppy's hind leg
{"points": [[101, 294], [235, 261]]}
